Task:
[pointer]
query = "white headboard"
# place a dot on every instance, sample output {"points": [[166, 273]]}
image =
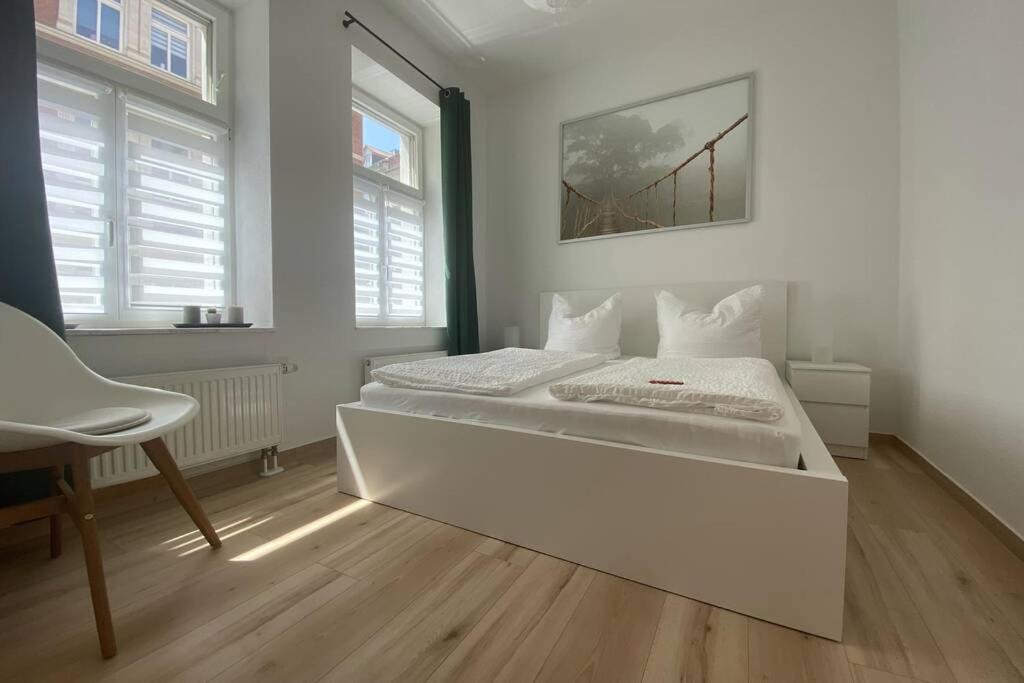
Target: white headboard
{"points": [[640, 315]]}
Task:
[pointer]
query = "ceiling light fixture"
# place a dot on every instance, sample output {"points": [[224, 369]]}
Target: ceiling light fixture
{"points": [[554, 6]]}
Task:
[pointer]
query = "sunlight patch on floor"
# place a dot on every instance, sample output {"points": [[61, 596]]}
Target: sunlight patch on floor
{"points": [[300, 532], [224, 537], [195, 536]]}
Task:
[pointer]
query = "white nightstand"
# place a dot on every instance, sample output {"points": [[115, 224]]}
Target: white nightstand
{"points": [[836, 397]]}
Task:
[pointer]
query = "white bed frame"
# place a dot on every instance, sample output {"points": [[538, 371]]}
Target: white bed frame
{"points": [[764, 541]]}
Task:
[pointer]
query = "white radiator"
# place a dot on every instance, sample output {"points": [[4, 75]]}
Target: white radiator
{"points": [[374, 362], [240, 412]]}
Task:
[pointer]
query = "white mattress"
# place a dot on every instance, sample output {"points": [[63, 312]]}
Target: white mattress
{"points": [[776, 443]]}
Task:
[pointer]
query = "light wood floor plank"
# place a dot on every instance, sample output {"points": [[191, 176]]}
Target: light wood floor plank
{"points": [[506, 551], [208, 650], [159, 564], [27, 561], [138, 528], [880, 495], [131, 578], [787, 656], [698, 643], [378, 549], [528, 659], [862, 674], [491, 644], [998, 571], [412, 645], [883, 628], [315, 645], [166, 611], [890, 453], [952, 608], [609, 637]]}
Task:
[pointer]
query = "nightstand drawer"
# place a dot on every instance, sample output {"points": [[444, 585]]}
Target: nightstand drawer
{"points": [[822, 386], [843, 425]]}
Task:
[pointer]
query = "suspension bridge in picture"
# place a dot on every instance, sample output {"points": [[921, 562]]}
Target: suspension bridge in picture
{"points": [[601, 216]]}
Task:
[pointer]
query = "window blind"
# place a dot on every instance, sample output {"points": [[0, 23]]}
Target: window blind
{"points": [[175, 208], [367, 235], [76, 136], [404, 256], [388, 245]]}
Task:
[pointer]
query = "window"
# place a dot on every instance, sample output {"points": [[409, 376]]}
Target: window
{"points": [[168, 44], [388, 211], [137, 155], [99, 21], [138, 215], [384, 147], [163, 40]]}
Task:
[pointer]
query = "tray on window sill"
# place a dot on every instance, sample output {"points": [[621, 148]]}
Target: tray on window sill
{"points": [[190, 326]]}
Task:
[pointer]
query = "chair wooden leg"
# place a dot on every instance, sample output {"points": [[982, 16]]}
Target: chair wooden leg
{"points": [[164, 462], [56, 473], [83, 511]]}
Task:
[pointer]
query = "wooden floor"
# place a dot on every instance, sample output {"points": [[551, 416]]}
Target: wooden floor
{"points": [[315, 585]]}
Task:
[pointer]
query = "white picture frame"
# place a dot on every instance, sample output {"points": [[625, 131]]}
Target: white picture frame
{"points": [[653, 174]]}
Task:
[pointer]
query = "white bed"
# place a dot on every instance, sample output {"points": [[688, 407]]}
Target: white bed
{"points": [[760, 539], [776, 443]]}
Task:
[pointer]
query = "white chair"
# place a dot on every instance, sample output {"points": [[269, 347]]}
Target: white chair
{"points": [[56, 412]]}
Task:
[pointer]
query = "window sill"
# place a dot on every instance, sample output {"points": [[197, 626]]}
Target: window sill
{"points": [[116, 331], [361, 326]]}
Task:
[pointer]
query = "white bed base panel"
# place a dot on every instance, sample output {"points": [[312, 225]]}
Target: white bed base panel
{"points": [[763, 541]]}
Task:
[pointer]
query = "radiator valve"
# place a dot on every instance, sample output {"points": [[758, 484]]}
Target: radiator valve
{"points": [[270, 466]]}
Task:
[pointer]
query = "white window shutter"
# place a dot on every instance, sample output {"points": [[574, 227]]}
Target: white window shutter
{"points": [[367, 235], [76, 135], [388, 245], [175, 209], [404, 257]]}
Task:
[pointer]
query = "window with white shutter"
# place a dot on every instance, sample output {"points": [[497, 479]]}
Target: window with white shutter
{"points": [[388, 220], [137, 194], [137, 156]]}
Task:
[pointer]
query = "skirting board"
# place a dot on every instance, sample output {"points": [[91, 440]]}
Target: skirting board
{"points": [[998, 528]]}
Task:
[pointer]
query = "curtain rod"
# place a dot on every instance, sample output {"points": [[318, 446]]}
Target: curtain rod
{"points": [[350, 19]]}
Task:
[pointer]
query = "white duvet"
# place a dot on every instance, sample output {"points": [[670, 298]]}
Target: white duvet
{"points": [[731, 387], [496, 373]]}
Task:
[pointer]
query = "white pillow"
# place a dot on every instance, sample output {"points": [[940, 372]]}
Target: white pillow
{"points": [[596, 331], [731, 330]]}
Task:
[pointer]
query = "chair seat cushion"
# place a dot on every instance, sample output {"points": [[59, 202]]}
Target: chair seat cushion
{"points": [[103, 420]]}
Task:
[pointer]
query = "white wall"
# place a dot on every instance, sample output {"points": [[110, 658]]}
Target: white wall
{"points": [[252, 162], [961, 312], [311, 204], [825, 180]]}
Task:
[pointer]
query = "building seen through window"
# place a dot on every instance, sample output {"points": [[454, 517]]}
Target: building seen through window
{"points": [[378, 146], [157, 38]]}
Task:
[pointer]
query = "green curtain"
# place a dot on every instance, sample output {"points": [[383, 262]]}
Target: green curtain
{"points": [[457, 202], [28, 277]]}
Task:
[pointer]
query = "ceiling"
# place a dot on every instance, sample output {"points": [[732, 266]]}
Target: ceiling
{"points": [[507, 40]]}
